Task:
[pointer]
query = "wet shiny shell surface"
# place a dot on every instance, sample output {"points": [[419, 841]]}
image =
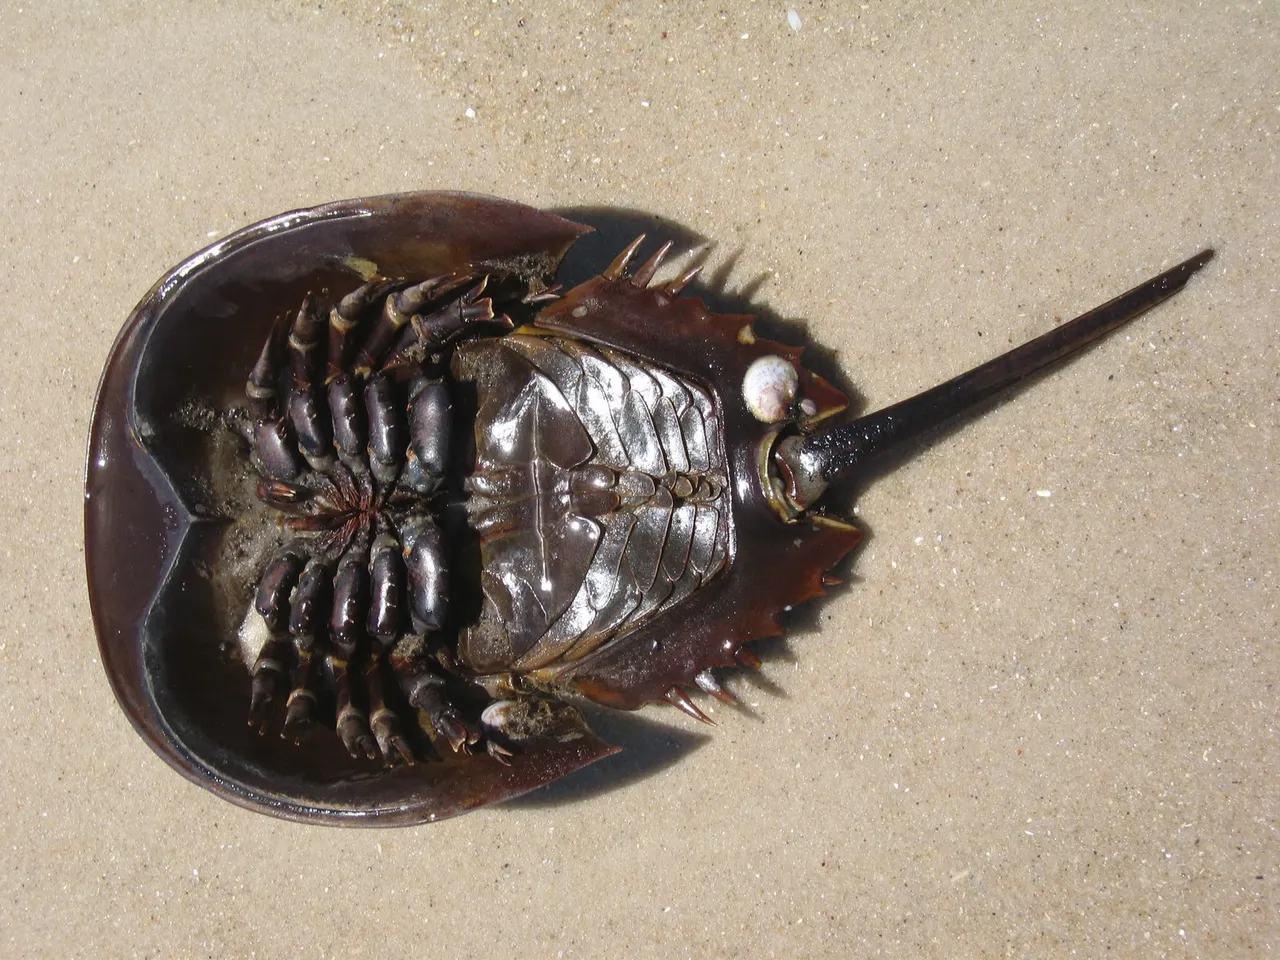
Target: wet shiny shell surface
{"points": [[666, 558], [599, 493]]}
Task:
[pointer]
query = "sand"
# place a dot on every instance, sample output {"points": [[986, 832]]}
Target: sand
{"points": [[1041, 718]]}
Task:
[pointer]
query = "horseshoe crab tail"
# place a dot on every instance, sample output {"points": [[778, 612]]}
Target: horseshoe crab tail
{"points": [[809, 463]]}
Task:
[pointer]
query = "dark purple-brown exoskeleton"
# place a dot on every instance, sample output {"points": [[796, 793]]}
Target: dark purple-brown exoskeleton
{"points": [[360, 476]]}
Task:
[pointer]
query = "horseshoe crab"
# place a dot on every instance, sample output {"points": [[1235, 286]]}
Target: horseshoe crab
{"points": [[369, 501]]}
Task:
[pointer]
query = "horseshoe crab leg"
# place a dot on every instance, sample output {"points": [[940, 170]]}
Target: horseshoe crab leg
{"points": [[810, 463]]}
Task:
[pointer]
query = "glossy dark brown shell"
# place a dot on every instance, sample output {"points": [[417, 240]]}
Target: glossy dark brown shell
{"points": [[155, 583]]}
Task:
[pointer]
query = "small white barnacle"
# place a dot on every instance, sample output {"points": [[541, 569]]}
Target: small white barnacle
{"points": [[497, 717], [769, 388]]}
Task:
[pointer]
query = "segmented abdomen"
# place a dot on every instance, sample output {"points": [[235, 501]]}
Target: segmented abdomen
{"points": [[599, 493]]}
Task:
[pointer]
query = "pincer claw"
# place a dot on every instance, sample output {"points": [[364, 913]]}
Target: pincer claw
{"points": [[390, 741], [353, 728]]}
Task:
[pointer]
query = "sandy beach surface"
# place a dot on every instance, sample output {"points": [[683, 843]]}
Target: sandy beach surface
{"points": [[1040, 718]]}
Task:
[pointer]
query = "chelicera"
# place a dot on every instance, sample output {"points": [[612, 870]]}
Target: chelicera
{"points": [[391, 501]]}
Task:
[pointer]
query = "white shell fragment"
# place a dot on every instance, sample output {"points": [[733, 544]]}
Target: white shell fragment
{"points": [[496, 716], [253, 635], [770, 387]]}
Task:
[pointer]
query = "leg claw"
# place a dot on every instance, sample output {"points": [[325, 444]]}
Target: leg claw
{"points": [[499, 752], [260, 708], [354, 731], [390, 742], [450, 726], [268, 679], [299, 718]]}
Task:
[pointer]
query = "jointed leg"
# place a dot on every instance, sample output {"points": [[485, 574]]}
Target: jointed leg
{"points": [[386, 609], [277, 456], [424, 688], [349, 588], [307, 404], [383, 719], [271, 671], [306, 615], [398, 310]]}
